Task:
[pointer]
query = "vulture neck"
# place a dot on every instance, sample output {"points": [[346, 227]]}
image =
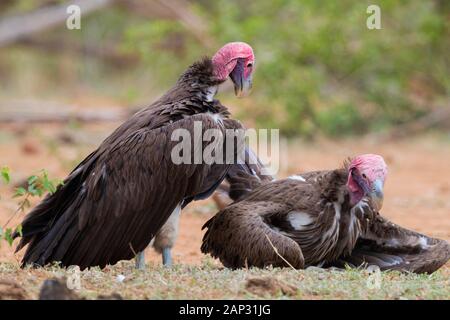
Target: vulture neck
{"points": [[199, 79]]}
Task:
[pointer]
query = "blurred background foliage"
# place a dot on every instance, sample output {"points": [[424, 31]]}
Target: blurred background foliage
{"points": [[319, 69]]}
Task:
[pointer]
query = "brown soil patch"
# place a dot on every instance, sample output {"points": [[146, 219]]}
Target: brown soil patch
{"points": [[269, 286], [11, 290]]}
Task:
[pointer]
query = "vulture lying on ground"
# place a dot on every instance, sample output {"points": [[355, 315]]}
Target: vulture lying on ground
{"points": [[321, 218], [117, 199]]}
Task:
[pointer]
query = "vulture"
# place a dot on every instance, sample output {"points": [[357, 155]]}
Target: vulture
{"points": [[321, 218], [116, 200]]}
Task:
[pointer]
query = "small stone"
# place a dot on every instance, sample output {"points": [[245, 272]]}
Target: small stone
{"points": [[373, 268], [120, 278], [314, 268]]}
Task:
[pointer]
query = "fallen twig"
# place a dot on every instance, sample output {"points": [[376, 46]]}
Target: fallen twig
{"points": [[278, 254]]}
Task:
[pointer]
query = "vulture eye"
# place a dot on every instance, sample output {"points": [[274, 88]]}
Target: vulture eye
{"points": [[364, 176], [249, 65]]}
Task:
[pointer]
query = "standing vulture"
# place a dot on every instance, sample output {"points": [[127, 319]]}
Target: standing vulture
{"points": [[321, 218], [114, 202]]}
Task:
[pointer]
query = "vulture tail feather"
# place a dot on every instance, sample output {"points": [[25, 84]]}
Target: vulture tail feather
{"points": [[47, 223]]}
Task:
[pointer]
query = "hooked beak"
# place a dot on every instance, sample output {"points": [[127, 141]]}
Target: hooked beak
{"points": [[242, 86], [376, 195]]}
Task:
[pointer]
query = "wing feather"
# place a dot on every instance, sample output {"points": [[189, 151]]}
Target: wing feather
{"points": [[392, 247], [238, 237]]}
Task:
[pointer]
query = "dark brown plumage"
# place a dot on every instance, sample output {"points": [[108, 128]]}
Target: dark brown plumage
{"points": [[310, 220], [241, 179], [116, 200]]}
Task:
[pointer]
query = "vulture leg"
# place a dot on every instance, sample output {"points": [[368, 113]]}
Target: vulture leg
{"points": [[140, 260], [221, 196], [163, 241], [167, 256], [166, 237]]}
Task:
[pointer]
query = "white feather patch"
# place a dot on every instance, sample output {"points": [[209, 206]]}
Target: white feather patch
{"points": [[217, 117], [211, 93], [337, 209], [299, 219], [297, 177], [333, 231], [392, 243], [423, 243], [406, 242]]}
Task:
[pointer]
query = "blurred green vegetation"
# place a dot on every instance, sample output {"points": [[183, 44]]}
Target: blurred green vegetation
{"points": [[318, 70]]}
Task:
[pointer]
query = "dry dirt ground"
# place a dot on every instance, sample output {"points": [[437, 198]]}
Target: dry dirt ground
{"points": [[417, 191]]}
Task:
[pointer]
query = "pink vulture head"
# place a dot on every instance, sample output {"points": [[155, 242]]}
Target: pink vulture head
{"points": [[236, 60], [366, 176]]}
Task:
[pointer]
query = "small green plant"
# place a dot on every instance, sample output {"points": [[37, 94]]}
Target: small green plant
{"points": [[37, 185], [4, 173], [5, 178]]}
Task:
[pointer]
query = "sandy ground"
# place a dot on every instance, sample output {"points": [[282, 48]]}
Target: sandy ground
{"points": [[417, 192]]}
